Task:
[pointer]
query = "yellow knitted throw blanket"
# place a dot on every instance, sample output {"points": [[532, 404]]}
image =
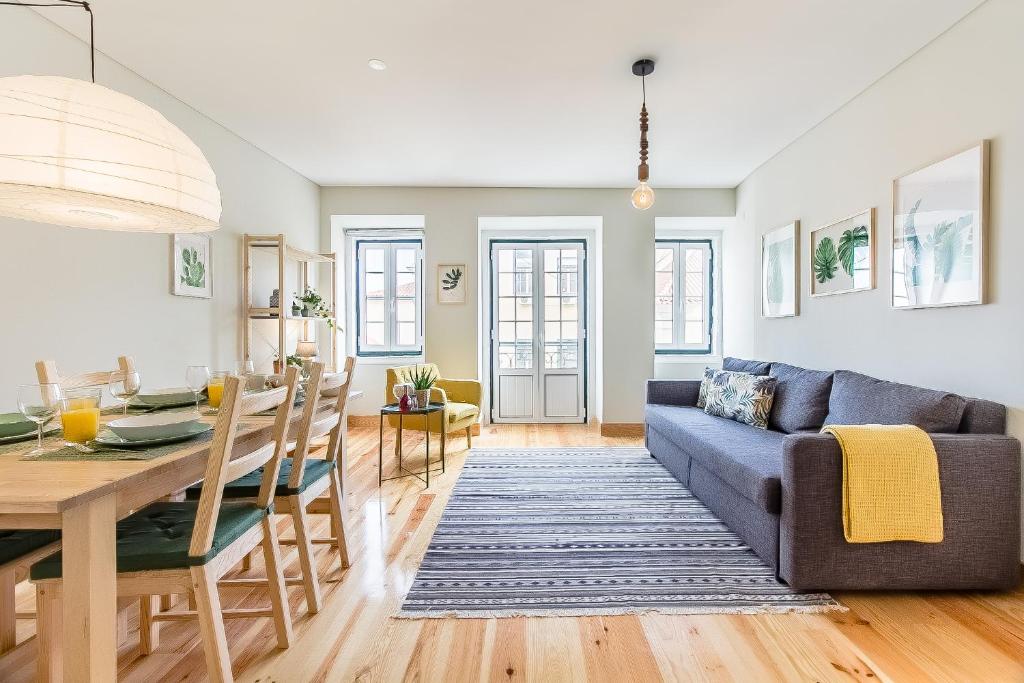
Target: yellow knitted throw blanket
{"points": [[890, 484]]}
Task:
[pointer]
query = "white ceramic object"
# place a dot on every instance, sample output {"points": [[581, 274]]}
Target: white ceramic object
{"points": [[154, 425]]}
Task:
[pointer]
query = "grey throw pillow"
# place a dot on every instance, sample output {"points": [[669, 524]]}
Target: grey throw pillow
{"points": [[741, 396], [753, 367], [801, 398], [858, 399]]}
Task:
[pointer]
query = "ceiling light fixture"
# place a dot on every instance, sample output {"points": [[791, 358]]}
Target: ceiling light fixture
{"points": [[78, 154], [376, 65], [643, 196]]}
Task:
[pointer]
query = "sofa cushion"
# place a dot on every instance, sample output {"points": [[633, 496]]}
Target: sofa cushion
{"points": [[801, 398], [741, 396], [858, 399], [747, 458], [754, 367]]}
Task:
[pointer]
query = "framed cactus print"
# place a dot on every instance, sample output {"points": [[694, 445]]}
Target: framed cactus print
{"points": [[451, 283], [843, 255], [938, 232], [191, 266], [780, 272]]}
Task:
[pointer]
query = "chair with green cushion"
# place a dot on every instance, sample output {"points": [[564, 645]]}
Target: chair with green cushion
{"points": [[302, 478], [186, 547], [18, 550], [462, 399]]}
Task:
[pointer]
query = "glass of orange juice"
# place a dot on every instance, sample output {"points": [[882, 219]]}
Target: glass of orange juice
{"points": [[215, 389], [80, 414]]}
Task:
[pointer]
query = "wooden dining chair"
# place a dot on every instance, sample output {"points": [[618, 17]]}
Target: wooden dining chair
{"points": [[302, 479], [188, 546], [46, 371]]}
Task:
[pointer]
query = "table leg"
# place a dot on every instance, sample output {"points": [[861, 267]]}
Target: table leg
{"points": [[399, 444], [90, 590], [427, 457], [444, 439], [380, 454]]}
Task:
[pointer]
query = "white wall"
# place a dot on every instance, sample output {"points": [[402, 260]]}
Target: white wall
{"points": [[451, 223], [83, 297], [963, 87]]}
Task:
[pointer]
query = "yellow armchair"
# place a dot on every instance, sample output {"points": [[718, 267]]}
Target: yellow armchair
{"points": [[462, 399]]}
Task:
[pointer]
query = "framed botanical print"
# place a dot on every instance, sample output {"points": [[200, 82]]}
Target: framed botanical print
{"points": [[780, 277], [938, 242], [191, 265], [451, 283], [843, 255]]}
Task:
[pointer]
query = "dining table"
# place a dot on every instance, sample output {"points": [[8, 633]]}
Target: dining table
{"points": [[85, 498]]}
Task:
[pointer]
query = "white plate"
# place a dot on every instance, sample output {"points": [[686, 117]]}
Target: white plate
{"points": [[106, 438], [153, 425], [175, 396]]}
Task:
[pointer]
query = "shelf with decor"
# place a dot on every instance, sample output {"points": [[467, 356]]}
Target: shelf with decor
{"points": [[299, 268]]}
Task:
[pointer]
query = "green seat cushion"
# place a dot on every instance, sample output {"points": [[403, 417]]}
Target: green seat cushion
{"points": [[15, 543], [248, 486], [158, 537]]}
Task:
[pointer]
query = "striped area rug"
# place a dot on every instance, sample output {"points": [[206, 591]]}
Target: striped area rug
{"points": [[581, 531]]}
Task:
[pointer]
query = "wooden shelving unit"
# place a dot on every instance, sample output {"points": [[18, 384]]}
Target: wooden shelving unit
{"points": [[286, 256]]}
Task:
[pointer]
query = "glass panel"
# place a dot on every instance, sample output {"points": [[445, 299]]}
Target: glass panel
{"points": [[406, 334], [569, 309], [694, 284], [405, 260], [663, 284], [569, 258], [374, 259], [506, 356], [694, 260], [662, 308], [524, 309], [552, 308], [663, 260], [405, 284], [505, 260], [550, 284], [524, 260], [524, 332], [506, 332], [694, 333], [506, 284], [551, 260], [569, 355], [374, 284], [405, 310], [552, 332], [553, 356], [694, 309], [662, 331], [507, 308], [568, 284], [524, 284], [524, 355], [375, 334], [570, 331], [375, 310]]}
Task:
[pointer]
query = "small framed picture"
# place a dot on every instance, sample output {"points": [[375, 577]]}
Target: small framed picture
{"points": [[451, 283], [938, 232], [780, 272], [192, 266], [843, 255]]}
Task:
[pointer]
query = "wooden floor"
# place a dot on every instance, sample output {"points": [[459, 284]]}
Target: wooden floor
{"points": [[897, 637]]}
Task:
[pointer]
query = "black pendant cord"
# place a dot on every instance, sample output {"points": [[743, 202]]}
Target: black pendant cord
{"points": [[83, 4]]}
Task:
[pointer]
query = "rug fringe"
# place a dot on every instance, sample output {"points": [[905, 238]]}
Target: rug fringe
{"points": [[613, 611]]}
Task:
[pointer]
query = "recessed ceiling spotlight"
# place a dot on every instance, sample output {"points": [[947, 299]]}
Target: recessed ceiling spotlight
{"points": [[376, 65]]}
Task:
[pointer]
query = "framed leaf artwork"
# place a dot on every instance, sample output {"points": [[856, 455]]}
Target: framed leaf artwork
{"points": [[451, 283], [843, 255], [780, 272], [191, 266], [939, 215]]}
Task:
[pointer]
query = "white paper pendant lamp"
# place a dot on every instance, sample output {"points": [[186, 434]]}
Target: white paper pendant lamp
{"points": [[79, 154]]}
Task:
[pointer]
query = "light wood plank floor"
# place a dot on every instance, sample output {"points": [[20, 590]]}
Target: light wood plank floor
{"points": [[889, 637]]}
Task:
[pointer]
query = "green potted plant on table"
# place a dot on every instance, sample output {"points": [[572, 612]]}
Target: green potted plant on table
{"points": [[422, 379]]}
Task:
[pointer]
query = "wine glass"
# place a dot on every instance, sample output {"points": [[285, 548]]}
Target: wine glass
{"points": [[197, 377], [246, 368], [39, 403], [124, 386]]}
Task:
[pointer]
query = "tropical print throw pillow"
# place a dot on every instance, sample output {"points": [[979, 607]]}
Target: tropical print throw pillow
{"points": [[704, 384], [741, 397]]}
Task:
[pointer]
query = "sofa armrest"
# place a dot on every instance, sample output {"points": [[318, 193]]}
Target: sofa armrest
{"points": [[461, 390], [979, 477], [673, 392]]}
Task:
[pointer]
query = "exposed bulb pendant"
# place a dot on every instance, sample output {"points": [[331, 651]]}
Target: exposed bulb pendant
{"points": [[643, 196]]}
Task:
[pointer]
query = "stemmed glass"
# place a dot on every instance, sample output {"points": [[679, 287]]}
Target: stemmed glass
{"points": [[124, 386], [39, 403], [246, 368], [197, 377]]}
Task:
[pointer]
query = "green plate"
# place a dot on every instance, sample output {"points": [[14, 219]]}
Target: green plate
{"points": [[164, 398], [15, 424], [17, 438], [109, 438]]}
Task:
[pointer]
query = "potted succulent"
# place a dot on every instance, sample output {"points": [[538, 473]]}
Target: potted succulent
{"points": [[296, 305], [313, 305], [422, 379]]}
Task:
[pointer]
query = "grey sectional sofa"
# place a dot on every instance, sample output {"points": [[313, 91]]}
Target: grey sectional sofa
{"points": [[780, 489]]}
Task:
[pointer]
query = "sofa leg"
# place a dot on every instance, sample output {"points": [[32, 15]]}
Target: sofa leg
{"points": [[469, 436]]}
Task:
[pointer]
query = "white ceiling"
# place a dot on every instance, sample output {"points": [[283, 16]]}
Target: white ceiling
{"points": [[515, 93]]}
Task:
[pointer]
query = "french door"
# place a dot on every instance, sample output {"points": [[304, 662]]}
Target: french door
{"points": [[538, 331]]}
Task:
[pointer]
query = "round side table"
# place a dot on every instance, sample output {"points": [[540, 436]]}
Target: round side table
{"points": [[393, 409]]}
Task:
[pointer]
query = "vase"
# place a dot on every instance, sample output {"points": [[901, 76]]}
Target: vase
{"points": [[422, 397], [275, 298], [296, 310]]}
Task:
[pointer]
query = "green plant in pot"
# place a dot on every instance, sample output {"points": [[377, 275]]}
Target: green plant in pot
{"points": [[313, 305], [422, 379]]}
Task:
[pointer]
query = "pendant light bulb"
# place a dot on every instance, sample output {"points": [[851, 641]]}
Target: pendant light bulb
{"points": [[642, 197]]}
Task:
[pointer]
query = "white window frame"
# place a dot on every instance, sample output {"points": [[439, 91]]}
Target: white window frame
{"points": [[389, 348], [679, 245]]}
